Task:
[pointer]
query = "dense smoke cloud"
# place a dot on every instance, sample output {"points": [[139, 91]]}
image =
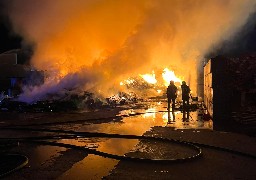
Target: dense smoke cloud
{"points": [[244, 41], [104, 42]]}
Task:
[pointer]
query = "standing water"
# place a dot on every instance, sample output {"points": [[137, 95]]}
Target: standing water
{"points": [[59, 162], [96, 167]]}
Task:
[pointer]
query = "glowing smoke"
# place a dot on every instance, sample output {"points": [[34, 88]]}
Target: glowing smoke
{"points": [[103, 42]]}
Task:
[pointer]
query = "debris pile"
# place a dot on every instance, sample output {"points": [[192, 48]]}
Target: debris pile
{"points": [[68, 101], [144, 88], [122, 98], [54, 103]]}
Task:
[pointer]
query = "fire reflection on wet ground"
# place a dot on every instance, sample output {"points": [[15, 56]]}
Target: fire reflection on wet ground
{"points": [[130, 121], [136, 122]]}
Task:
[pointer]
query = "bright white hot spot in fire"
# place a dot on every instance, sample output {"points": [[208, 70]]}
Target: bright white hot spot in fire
{"points": [[164, 80], [159, 91], [150, 78], [168, 76]]}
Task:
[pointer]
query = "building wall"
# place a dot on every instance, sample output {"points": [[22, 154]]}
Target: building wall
{"points": [[229, 84], [208, 90], [13, 75], [217, 89]]}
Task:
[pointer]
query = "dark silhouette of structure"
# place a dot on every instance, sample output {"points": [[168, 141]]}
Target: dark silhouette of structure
{"points": [[15, 72], [230, 91]]}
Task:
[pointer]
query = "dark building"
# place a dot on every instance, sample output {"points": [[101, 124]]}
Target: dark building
{"points": [[230, 89], [15, 73]]}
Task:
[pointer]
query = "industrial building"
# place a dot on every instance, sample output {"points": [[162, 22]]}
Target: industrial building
{"points": [[230, 89], [15, 72]]}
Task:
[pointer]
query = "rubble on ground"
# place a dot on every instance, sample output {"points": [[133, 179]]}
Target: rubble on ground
{"points": [[69, 101]]}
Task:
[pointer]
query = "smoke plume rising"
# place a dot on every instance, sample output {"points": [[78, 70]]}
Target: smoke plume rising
{"points": [[99, 42]]}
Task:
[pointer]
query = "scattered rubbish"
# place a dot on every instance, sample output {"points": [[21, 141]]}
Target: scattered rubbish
{"points": [[68, 101], [122, 98]]}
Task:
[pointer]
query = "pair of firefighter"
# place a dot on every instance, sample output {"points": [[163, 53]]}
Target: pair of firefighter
{"points": [[172, 94]]}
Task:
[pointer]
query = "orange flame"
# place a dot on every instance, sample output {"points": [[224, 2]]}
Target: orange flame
{"points": [[167, 76]]}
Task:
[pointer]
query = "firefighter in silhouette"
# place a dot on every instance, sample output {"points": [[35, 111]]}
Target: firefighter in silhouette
{"points": [[171, 94], [185, 94]]}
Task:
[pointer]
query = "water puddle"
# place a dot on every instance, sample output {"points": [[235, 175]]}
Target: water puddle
{"points": [[95, 167], [136, 122], [44, 155], [133, 122]]}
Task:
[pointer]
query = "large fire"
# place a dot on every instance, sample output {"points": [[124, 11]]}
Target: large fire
{"points": [[154, 83], [93, 45], [167, 76]]}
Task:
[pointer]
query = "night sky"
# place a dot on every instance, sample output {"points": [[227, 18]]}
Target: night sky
{"points": [[8, 39]]}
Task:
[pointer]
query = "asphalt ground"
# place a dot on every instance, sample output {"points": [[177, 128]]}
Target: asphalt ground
{"points": [[217, 162], [214, 163]]}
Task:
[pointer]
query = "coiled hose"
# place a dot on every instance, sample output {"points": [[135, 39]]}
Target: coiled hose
{"points": [[73, 134]]}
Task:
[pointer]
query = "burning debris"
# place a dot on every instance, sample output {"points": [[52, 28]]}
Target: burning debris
{"points": [[93, 54], [152, 85], [122, 98]]}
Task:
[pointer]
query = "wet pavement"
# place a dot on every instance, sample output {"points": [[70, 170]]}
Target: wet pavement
{"points": [[152, 121], [224, 156], [135, 122]]}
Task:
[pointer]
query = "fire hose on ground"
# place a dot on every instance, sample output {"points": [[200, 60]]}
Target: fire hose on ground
{"points": [[44, 140], [18, 161], [75, 135]]}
